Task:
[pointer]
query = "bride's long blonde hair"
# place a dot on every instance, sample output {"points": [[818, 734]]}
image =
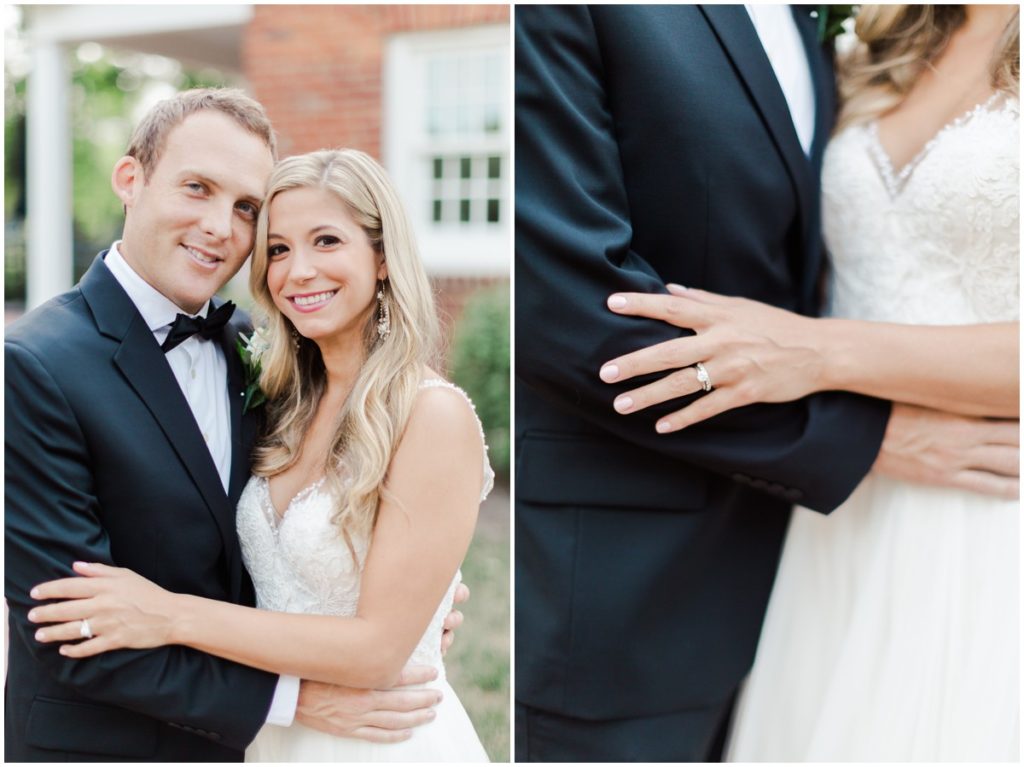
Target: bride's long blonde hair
{"points": [[293, 377], [895, 43]]}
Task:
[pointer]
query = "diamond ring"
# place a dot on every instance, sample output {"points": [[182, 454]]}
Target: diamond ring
{"points": [[85, 630], [702, 377]]}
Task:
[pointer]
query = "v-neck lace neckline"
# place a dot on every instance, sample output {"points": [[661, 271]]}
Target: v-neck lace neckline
{"points": [[276, 517], [896, 181]]}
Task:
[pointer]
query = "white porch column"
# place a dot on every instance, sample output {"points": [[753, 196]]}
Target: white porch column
{"points": [[48, 215]]}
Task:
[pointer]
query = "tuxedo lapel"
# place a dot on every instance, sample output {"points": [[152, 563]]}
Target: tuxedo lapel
{"points": [[823, 80], [142, 363], [236, 389], [736, 34]]}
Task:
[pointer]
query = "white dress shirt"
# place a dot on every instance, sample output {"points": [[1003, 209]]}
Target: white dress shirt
{"points": [[201, 371], [782, 42]]}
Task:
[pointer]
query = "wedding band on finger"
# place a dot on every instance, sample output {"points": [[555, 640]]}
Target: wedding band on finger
{"points": [[85, 630], [702, 377]]}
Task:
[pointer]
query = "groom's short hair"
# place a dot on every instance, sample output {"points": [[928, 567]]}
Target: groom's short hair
{"points": [[148, 139]]}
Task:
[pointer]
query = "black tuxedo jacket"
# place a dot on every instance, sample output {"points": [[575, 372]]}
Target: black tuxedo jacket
{"points": [[654, 145], [105, 463]]}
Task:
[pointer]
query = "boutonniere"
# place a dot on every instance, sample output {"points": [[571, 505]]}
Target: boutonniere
{"points": [[831, 19], [251, 350]]}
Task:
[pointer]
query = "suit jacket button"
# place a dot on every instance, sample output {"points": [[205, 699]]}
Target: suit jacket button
{"points": [[793, 495]]}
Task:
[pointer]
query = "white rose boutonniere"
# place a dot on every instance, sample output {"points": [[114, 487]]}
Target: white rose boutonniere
{"points": [[251, 349]]}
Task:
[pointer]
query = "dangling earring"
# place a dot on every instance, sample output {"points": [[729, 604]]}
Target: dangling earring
{"points": [[295, 339], [383, 314]]}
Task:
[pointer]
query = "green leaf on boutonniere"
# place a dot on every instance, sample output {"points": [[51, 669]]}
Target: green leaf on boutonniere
{"points": [[831, 19]]}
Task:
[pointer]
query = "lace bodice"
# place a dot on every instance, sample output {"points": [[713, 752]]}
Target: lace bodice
{"points": [[935, 242], [299, 562]]}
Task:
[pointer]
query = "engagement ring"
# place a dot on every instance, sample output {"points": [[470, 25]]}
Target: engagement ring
{"points": [[85, 630], [702, 376]]}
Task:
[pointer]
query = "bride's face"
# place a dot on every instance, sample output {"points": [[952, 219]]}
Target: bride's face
{"points": [[322, 271]]}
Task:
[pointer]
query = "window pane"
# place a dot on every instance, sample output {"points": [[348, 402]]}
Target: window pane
{"points": [[465, 166], [436, 217], [493, 167], [464, 211], [492, 211], [438, 167]]}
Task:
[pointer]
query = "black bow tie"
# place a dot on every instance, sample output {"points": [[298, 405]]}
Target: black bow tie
{"points": [[208, 327]]}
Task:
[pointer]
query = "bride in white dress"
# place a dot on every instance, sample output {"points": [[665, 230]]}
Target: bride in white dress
{"points": [[367, 479], [892, 630]]}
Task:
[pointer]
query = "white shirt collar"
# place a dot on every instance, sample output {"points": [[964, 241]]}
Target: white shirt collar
{"points": [[156, 309]]}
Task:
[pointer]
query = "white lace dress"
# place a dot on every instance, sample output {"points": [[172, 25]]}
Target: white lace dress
{"points": [[300, 564], [892, 631]]}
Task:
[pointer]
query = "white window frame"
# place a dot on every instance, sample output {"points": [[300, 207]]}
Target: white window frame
{"points": [[447, 249]]}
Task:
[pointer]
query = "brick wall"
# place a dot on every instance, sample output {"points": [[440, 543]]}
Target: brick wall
{"points": [[317, 68]]}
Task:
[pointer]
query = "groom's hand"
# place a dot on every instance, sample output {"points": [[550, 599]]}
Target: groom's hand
{"points": [[935, 448], [379, 716], [454, 619]]}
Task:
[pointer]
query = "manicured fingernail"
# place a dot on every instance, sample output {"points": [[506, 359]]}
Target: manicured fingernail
{"points": [[63, 650], [616, 302], [32, 615], [609, 373], [40, 636], [675, 285], [81, 565], [34, 593], [663, 427], [624, 404]]}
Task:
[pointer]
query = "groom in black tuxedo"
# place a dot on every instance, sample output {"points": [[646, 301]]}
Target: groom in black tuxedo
{"points": [[658, 144], [126, 444]]}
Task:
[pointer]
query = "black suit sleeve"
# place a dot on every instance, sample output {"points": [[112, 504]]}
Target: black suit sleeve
{"points": [[573, 237], [53, 519]]}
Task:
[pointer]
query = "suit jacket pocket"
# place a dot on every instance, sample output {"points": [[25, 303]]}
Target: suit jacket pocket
{"points": [[89, 728], [583, 470]]}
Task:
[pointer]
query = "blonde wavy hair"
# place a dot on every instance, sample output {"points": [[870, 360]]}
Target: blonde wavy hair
{"points": [[896, 43], [293, 377]]}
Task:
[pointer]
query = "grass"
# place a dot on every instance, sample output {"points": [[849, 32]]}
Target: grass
{"points": [[478, 663]]}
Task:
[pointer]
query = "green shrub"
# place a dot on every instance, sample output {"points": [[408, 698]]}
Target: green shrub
{"points": [[480, 365]]}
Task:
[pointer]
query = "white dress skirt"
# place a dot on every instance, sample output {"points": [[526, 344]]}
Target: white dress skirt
{"points": [[892, 630]]}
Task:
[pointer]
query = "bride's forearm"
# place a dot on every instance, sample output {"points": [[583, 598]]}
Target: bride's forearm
{"points": [[966, 369], [349, 651]]}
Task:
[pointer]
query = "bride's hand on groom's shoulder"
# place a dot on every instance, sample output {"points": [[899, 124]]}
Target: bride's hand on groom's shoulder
{"points": [[111, 608], [379, 716], [750, 352]]}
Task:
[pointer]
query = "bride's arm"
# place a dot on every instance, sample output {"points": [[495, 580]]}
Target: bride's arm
{"points": [[758, 353], [423, 529]]}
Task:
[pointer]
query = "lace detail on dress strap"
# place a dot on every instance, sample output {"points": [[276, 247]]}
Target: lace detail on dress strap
{"points": [[440, 383]]}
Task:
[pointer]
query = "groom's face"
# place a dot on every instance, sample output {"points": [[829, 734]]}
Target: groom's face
{"points": [[190, 223]]}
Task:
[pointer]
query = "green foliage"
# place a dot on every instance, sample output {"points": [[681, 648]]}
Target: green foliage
{"points": [[480, 365], [100, 129], [478, 664]]}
